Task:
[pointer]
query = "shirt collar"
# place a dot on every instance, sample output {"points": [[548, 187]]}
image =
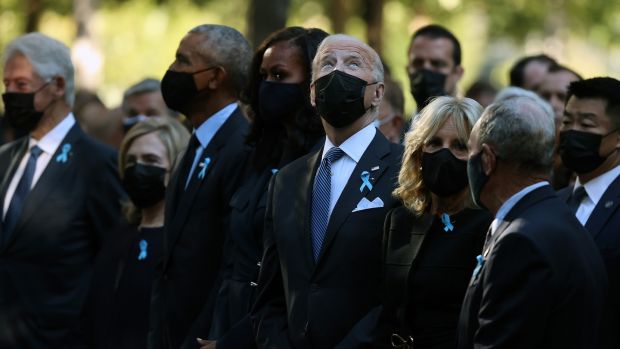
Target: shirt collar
{"points": [[512, 201], [596, 187], [51, 140], [356, 145], [207, 130]]}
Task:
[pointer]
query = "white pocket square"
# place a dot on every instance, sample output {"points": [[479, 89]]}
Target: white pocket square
{"points": [[366, 204]]}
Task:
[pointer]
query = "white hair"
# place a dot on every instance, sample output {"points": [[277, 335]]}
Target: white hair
{"points": [[49, 58], [377, 65], [521, 130], [513, 91]]}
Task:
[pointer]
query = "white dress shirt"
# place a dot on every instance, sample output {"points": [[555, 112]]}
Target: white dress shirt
{"points": [[353, 148], [207, 130], [48, 144], [595, 188]]}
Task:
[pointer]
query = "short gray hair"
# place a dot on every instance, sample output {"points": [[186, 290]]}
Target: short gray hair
{"points": [[377, 65], [227, 48], [144, 86], [521, 131], [513, 91], [49, 58]]}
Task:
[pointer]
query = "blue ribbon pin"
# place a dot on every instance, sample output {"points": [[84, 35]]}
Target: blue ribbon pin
{"points": [[64, 156], [445, 219], [204, 164], [365, 181], [478, 266], [274, 171], [143, 245]]}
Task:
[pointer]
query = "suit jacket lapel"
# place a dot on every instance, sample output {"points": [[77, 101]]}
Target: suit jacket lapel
{"points": [[307, 175], [378, 148], [49, 179], [606, 206], [17, 153], [183, 200]]}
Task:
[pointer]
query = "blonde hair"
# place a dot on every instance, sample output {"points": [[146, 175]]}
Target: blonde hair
{"points": [[172, 134], [464, 113]]}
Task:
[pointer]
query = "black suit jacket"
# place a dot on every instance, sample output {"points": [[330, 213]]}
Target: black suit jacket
{"points": [[542, 284], [45, 265], [604, 226], [303, 304], [184, 291]]}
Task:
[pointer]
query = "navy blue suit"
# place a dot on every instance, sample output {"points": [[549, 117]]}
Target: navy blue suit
{"points": [[604, 226]]}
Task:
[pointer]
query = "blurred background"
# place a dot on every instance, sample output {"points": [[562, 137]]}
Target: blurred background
{"points": [[116, 43]]}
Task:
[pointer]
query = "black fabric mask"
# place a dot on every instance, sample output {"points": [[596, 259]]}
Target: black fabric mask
{"points": [[579, 150], [426, 84], [179, 89], [340, 98], [477, 178], [277, 101], [20, 111], [145, 184], [443, 173]]}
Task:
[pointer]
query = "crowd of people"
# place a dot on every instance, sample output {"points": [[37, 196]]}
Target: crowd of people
{"points": [[279, 198]]}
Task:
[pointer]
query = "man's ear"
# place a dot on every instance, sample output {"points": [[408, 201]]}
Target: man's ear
{"points": [[60, 86], [458, 72], [217, 78], [489, 159], [377, 95]]}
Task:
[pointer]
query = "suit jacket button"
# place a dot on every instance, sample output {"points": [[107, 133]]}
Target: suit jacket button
{"points": [[166, 277], [314, 287]]}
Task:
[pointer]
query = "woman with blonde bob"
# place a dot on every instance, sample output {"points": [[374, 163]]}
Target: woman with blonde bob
{"points": [[431, 243], [119, 301]]}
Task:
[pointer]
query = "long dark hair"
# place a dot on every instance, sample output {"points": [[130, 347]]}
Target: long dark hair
{"points": [[273, 147]]}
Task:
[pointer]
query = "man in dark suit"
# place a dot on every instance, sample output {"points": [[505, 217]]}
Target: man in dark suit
{"points": [[60, 194], [325, 212], [540, 282], [203, 83], [590, 146]]}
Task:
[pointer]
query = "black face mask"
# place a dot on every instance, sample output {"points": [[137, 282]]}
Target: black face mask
{"points": [[20, 111], [340, 98], [179, 89], [145, 184], [477, 178], [426, 84], [443, 173], [579, 150], [277, 101]]}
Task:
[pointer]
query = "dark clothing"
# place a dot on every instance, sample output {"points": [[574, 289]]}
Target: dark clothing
{"points": [[46, 263], [439, 271], [117, 313], [542, 283], [308, 304], [231, 326], [184, 291], [604, 226]]}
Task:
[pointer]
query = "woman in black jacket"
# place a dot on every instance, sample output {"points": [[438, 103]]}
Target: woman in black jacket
{"points": [[431, 243], [284, 127]]}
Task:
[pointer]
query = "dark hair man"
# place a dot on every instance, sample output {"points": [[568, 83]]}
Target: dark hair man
{"points": [[590, 146], [529, 71]]}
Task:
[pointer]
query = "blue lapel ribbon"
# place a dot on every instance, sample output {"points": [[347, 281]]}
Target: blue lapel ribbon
{"points": [[64, 156], [478, 266], [445, 219], [143, 245], [274, 171], [365, 176], [204, 164]]}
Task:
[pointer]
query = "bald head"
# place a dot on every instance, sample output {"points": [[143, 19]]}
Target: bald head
{"points": [[357, 50]]}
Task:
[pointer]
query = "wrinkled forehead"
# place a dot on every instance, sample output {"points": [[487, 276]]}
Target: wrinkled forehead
{"points": [[346, 48]]}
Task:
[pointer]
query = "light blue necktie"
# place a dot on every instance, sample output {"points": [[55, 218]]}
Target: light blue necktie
{"points": [[321, 198], [21, 191]]}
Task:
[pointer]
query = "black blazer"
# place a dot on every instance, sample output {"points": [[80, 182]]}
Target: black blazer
{"points": [[303, 304], [426, 272], [604, 227], [184, 290], [45, 265], [542, 284]]}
